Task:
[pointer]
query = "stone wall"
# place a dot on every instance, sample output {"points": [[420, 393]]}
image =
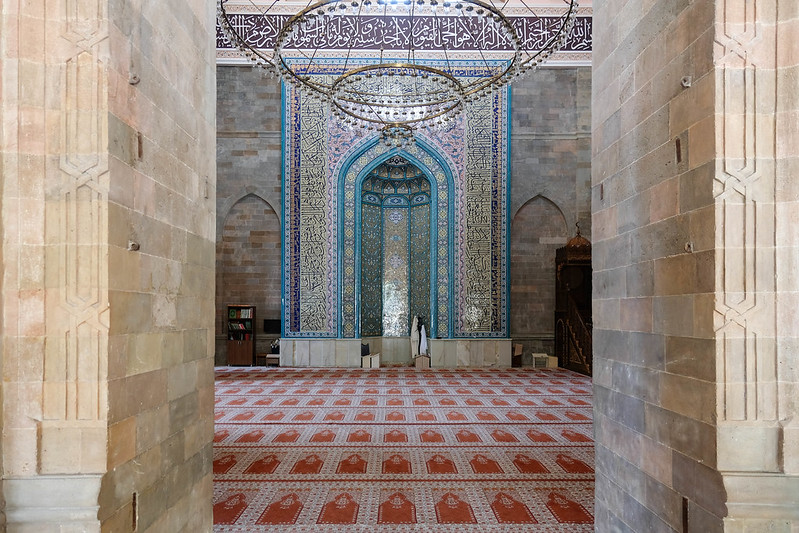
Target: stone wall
{"points": [[249, 171], [550, 192], [161, 142], [108, 234], [691, 218], [550, 161], [654, 368]]}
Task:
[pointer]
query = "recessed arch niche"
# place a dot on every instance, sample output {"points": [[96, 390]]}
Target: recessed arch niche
{"points": [[538, 229], [395, 248], [427, 180], [248, 248]]}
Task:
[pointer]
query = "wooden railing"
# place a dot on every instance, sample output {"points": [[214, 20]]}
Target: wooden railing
{"points": [[579, 340]]}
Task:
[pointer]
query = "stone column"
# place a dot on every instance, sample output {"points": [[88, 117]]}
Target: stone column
{"points": [[755, 319], [787, 230], [55, 277], [107, 226]]}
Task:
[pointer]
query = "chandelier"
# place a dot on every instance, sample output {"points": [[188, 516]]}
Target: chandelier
{"points": [[397, 65]]}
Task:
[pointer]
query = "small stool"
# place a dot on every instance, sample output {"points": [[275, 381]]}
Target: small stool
{"points": [[272, 360], [421, 361], [261, 359]]}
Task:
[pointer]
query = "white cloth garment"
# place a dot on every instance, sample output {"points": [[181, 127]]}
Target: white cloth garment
{"points": [[423, 343], [415, 337]]}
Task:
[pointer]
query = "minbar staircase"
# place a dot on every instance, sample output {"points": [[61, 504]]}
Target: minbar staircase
{"points": [[573, 322], [575, 343]]}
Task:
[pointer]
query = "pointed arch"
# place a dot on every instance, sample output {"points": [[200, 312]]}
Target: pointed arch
{"points": [[538, 228], [224, 209], [548, 201], [351, 172], [563, 204], [248, 248]]}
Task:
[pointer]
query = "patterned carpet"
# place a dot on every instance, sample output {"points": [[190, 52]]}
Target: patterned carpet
{"points": [[400, 449]]}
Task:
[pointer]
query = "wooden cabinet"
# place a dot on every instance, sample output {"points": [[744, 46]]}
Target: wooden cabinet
{"points": [[241, 335]]}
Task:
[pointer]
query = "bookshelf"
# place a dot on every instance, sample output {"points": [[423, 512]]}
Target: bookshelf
{"points": [[241, 335]]}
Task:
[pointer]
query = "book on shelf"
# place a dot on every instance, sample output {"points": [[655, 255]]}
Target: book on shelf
{"points": [[235, 313]]}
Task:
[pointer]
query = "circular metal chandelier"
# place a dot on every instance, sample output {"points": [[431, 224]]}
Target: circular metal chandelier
{"points": [[397, 65]]}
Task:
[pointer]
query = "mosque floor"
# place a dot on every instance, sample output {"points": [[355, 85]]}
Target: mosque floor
{"points": [[402, 449]]}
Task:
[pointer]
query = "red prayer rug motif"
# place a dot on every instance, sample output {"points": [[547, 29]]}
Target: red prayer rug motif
{"points": [[403, 450]]}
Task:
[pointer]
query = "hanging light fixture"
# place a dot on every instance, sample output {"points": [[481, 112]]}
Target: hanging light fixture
{"points": [[396, 65]]}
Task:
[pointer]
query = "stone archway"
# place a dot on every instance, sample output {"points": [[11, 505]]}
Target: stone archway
{"points": [[537, 230], [248, 247]]}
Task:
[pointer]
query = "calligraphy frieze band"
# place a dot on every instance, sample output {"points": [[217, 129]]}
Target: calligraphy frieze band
{"points": [[395, 32]]}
